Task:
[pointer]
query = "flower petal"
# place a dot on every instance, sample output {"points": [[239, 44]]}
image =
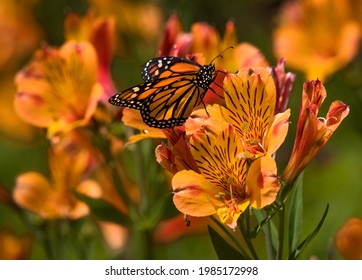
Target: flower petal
{"points": [[349, 239], [170, 230], [33, 191], [250, 100], [262, 182], [193, 195], [133, 118], [230, 217], [277, 132]]}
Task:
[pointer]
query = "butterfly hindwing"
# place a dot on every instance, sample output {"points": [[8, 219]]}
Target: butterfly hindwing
{"points": [[172, 105]]}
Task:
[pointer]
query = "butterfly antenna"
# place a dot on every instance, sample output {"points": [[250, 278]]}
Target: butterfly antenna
{"points": [[220, 54]]}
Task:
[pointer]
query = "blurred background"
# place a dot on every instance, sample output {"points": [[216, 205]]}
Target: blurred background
{"points": [[325, 41]]}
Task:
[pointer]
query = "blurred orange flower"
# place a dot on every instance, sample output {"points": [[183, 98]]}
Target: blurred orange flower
{"points": [[349, 239], [203, 44], [135, 18], [172, 229], [19, 32], [13, 247], [11, 125], [59, 89], [70, 161], [313, 132], [19, 36], [356, 11], [317, 37]]}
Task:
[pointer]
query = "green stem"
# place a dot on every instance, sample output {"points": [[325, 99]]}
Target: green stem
{"points": [[245, 231], [281, 214], [268, 238], [141, 171], [228, 234]]}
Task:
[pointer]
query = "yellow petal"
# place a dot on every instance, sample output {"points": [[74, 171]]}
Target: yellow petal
{"points": [[193, 195], [262, 182], [33, 192], [115, 235], [133, 118], [277, 132], [250, 100], [230, 217]]}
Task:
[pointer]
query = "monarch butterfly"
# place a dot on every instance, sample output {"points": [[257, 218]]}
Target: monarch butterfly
{"points": [[173, 87]]}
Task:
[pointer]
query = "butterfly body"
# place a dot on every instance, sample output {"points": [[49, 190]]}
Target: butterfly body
{"points": [[173, 87]]}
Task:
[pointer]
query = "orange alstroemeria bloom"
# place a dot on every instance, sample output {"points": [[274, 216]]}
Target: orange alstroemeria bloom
{"points": [[313, 132], [225, 141], [69, 161], [317, 37], [224, 185], [349, 239], [59, 89]]}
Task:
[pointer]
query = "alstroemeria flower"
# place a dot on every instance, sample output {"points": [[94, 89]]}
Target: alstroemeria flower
{"points": [[317, 37], [69, 161], [313, 132], [349, 239], [224, 185], [59, 89]]}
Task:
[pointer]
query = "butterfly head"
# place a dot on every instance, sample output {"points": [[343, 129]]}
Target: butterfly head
{"points": [[206, 76]]}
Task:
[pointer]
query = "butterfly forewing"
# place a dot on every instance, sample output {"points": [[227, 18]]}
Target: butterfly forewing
{"points": [[167, 66]]}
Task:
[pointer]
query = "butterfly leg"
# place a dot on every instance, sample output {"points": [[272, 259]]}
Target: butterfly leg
{"points": [[205, 108]]}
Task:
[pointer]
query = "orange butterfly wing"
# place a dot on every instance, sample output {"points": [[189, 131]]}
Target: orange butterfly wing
{"points": [[173, 88]]}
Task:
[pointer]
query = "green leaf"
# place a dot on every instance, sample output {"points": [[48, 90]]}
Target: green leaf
{"points": [[223, 249], [274, 208], [270, 231], [104, 211], [296, 214], [295, 254]]}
